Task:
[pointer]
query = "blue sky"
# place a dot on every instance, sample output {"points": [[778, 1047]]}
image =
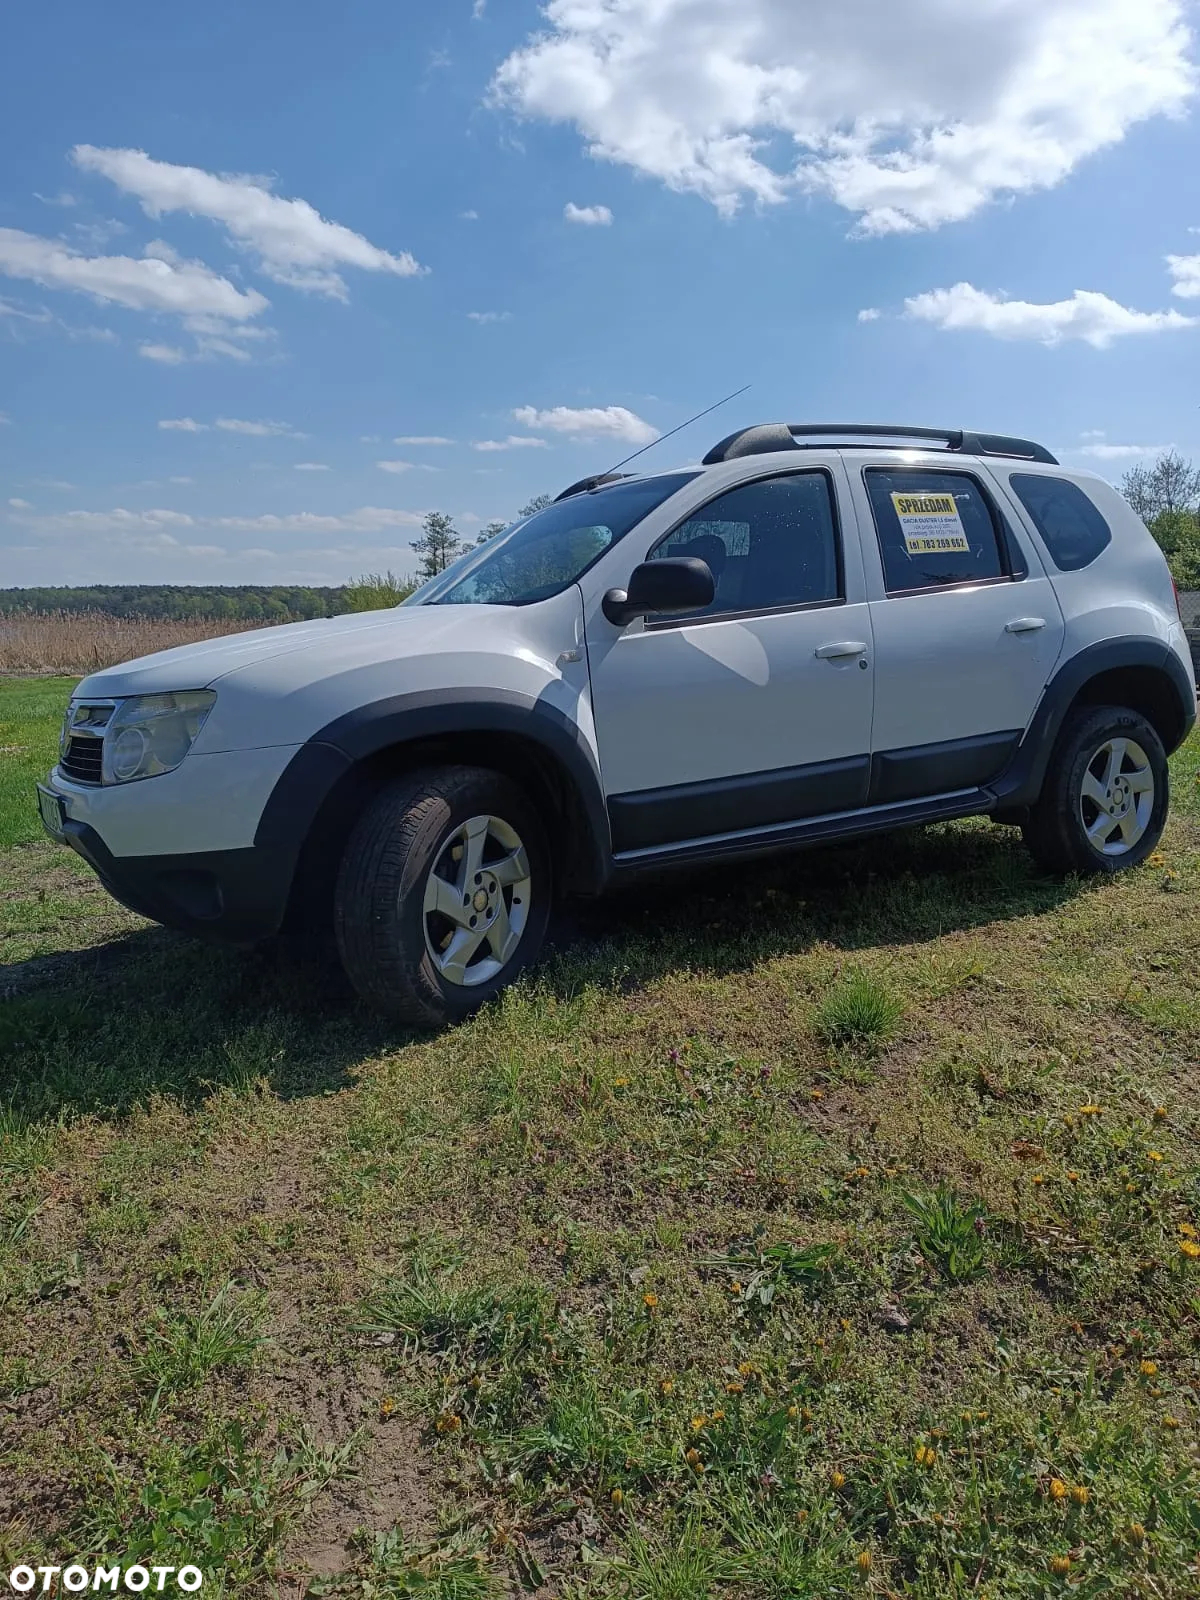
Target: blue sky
{"points": [[309, 236]]}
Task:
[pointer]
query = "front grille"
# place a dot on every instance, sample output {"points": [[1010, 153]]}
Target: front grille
{"points": [[82, 759]]}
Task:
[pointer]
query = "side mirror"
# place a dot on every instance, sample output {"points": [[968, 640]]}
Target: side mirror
{"points": [[677, 583]]}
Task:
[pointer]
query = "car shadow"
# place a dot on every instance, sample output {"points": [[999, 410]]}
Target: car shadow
{"points": [[152, 1013], [900, 888]]}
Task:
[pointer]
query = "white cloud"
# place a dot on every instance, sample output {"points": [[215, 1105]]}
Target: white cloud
{"points": [[62, 198], [183, 425], [605, 422], [489, 316], [420, 439], [515, 441], [367, 519], [478, 9], [169, 354], [259, 430], [311, 466], [899, 113], [119, 520], [1122, 452], [468, 216], [1186, 272], [20, 505], [181, 480], [394, 466], [145, 283], [870, 314], [1087, 315], [294, 244], [588, 216]]}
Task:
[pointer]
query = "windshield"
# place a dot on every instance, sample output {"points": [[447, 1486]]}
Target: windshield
{"points": [[539, 557]]}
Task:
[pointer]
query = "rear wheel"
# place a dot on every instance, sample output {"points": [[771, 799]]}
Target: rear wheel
{"points": [[1104, 802], [443, 894]]}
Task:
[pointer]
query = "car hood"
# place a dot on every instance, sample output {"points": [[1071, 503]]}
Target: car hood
{"points": [[400, 631]]}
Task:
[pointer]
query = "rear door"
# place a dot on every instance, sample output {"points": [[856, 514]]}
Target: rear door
{"points": [[966, 624]]}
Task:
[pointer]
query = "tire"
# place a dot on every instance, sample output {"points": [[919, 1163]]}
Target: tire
{"points": [[1123, 802], [403, 907]]}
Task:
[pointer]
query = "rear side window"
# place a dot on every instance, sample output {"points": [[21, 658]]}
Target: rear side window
{"points": [[936, 529], [1071, 527]]}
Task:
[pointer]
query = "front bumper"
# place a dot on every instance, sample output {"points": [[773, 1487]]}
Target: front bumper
{"points": [[232, 896], [184, 849]]}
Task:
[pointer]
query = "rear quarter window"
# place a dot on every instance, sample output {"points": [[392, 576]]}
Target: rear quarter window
{"points": [[1071, 525]]}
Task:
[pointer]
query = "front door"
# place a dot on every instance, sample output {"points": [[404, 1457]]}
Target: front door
{"points": [[756, 711]]}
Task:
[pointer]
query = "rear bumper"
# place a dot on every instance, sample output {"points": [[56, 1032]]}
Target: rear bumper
{"points": [[232, 896]]}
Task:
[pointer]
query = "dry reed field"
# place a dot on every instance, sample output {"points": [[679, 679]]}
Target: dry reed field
{"points": [[80, 642]]}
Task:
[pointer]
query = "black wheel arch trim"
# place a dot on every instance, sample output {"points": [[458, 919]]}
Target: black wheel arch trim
{"points": [[367, 731], [1021, 784]]}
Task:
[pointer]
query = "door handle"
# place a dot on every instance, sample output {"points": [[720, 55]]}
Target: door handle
{"points": [[844, 647], [1024, 624]]}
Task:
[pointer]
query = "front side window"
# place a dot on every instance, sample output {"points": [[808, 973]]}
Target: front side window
{"points": [[1071, 527], [769, 544], [936, 529], [539, 557]]}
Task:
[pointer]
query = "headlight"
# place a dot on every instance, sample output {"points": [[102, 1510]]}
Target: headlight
{"points": [[151, 733]]}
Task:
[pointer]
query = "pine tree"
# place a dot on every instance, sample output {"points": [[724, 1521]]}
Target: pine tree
{"points": [[437, 546]]}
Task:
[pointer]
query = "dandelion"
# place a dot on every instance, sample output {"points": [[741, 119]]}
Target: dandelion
{"points": [[1170, 1422], [699, 1422], [864, 1562], [837, 1480], [718, 1416], [1058, 1489], [1079, 1494], [1072, 1177], [793, 1412], [618, 1498], [620, 1083], [1090, 1110], [1158, 859], [1038, 1180], [735, 1388], [1189, 1248], [1154, 1155], [667, 1386], [1148, 1369], [816, 1094], [1188, 1231], [1137, 1534], [448, 1422], [1060, 1566], [692, 1457], [650, 1301], [1160, 1113], [806, 1415], [735, 1287]]}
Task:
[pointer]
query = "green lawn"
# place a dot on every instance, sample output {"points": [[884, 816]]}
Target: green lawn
{"points": [[31, 712], [823, 1229]]}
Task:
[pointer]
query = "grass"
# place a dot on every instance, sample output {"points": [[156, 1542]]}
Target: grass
{"points": [[80, 642], [827, 1229], [31, 712]]}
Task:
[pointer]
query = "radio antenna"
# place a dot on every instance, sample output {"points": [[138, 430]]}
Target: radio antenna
{"points": [[679, 429]]}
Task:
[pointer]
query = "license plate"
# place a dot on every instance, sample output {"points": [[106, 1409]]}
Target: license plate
{"points": [[50, 807]]}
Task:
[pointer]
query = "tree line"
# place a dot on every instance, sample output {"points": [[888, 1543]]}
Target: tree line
{"points": [[440, 542], [1166, 495]]}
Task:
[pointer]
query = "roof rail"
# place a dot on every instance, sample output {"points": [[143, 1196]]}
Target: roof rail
{"points": [[769, 436], [586, 484]]}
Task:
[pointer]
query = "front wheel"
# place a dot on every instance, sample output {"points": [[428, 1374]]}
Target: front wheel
{"points": [[1104, 802], [443, 894]]}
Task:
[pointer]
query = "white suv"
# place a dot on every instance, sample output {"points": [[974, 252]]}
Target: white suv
{"points": [[820, 632]]}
